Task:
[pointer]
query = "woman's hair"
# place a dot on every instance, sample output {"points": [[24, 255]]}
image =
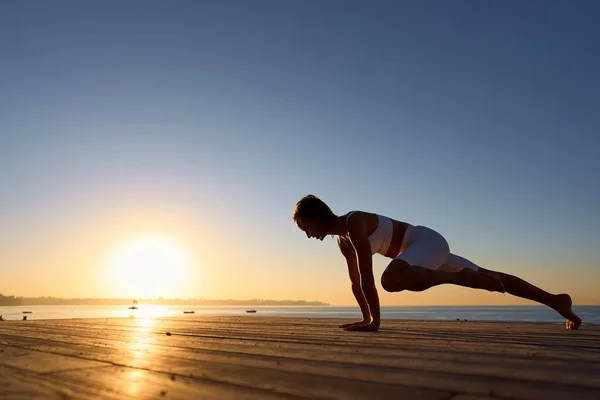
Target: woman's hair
{"points": [[313, 208]]}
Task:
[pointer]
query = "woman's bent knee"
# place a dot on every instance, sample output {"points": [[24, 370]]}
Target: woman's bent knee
{"points": [[392, 279], [387, 282]]}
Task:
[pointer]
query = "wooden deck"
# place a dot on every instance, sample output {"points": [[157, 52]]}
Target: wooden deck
{"points": [[254, 357]]}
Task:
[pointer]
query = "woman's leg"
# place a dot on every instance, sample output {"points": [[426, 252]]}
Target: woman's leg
{"points": [[516, 286], [561, 303], [418, 267], [399, 276]]}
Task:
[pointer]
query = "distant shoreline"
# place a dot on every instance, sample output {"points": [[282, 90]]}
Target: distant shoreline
{"points": [[6, 301]]}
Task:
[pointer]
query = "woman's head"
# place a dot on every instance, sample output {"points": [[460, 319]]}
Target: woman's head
{"points": [[314, 217]]}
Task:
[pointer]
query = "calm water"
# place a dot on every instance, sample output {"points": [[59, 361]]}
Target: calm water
{"points": [[589, 314]]}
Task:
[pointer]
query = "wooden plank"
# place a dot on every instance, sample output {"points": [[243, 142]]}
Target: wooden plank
{"points": [[250, 371], [41, 362], [443, 362], [16, 384], [134, 383], [139, 383], [311, 357]]}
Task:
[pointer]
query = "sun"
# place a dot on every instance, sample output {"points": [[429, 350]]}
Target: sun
{"points": [[150, 266]]}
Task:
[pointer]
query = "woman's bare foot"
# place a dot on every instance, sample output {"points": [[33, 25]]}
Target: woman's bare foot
{"points": [[563, 307], [363, 322], [481, 280]]}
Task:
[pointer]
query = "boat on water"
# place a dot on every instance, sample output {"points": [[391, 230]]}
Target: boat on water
{"points": [[251, 311], [133, 308], [27, 312], [189, 312]]}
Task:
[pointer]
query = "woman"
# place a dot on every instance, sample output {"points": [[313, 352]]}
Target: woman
{"points": [[420, 257]]}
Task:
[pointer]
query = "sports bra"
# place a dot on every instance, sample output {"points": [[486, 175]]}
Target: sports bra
{"points": [[381, 238]]}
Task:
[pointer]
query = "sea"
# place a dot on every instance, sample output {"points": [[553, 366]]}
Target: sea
{"points": [[589, 314]]}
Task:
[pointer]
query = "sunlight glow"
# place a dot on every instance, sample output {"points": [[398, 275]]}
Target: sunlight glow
{"points": [[149, 266], [146, 314]]}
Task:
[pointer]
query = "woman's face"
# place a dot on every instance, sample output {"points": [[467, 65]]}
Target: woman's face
{"points": [[314, 229]]}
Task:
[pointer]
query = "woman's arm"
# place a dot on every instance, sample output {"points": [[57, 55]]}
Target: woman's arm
{"points": [[353, 272], [357, 231]]}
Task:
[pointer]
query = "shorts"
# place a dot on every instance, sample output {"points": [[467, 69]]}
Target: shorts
{"points": [[426, 248]]}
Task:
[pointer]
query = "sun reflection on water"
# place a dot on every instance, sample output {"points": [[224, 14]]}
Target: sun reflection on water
{"points": [[148, 311]]}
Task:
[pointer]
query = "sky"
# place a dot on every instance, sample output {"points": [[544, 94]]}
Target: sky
{"points": [[202, 123]]}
